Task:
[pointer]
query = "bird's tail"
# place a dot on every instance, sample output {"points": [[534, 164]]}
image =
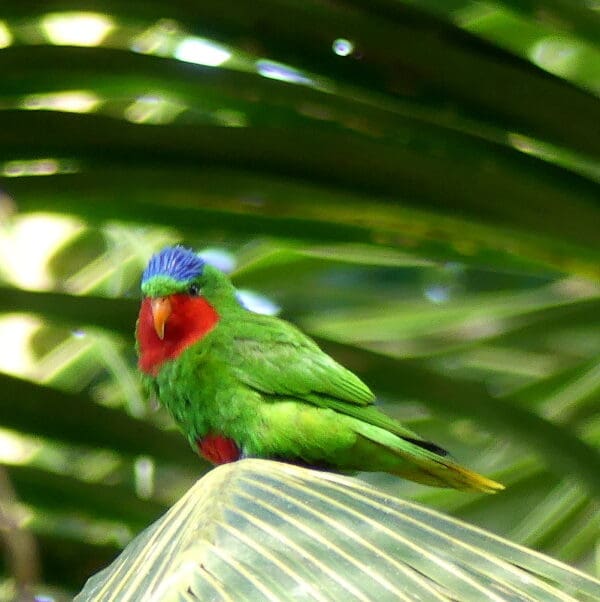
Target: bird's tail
{"points": [[476, 482], [427, 463], [446, 473]]}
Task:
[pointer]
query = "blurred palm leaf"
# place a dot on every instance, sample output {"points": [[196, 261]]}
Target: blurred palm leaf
{"points": [[262, 530], [427, 205]]}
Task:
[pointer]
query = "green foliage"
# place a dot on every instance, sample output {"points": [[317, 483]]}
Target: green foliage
{"points": [[259, 530], [426, 206]]}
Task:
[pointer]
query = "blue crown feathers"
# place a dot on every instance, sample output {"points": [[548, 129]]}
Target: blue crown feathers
{"points": [[179, 263]]}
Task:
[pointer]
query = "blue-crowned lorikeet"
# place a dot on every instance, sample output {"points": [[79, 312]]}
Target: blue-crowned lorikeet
{"points": [[240, 384]]}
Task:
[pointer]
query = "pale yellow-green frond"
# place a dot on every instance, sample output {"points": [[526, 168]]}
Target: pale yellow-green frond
{"points": [[262, 530]]}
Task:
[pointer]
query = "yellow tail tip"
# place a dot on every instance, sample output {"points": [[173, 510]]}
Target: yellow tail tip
{"points": [[489, 486], [476, 482]]}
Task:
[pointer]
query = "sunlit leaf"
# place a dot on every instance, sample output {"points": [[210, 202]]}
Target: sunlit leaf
{"points": [[415, 181], [261, 530]]}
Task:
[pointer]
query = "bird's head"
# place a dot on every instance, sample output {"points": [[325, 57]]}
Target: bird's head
{"points": [[183, 299]]}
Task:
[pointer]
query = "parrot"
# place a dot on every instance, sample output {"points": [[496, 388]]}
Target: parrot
{"points": [[240, 384]]}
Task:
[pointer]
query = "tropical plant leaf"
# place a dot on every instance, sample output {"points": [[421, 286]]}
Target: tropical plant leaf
{"points": [[426, 202], [264, 530]]}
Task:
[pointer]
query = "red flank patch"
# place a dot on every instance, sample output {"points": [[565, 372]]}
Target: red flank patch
{"points": [[217, 449]]}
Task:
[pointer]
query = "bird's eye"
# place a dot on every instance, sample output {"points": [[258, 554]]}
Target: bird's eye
{"points": [[194, 291]]}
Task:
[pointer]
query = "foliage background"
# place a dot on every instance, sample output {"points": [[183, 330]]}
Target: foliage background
{"points": [[414, 183]]}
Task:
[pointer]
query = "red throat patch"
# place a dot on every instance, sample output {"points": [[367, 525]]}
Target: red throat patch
{"points": [[217, 449], [191, 318]]}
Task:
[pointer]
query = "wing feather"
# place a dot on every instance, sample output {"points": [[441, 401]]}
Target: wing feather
{"points": [[274, 357]]}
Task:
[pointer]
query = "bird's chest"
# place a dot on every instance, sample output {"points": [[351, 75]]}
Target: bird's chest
{"points": [[188, 390], [206, 403]]}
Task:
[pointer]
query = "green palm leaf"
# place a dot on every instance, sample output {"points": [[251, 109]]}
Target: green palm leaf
{"points": [[262, 530], [426, 205]]}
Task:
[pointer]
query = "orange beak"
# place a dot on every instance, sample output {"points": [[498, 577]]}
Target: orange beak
{"points": [[161, 310]]}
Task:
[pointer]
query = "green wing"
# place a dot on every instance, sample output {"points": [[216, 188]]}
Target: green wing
{"points": [[274, 357]]}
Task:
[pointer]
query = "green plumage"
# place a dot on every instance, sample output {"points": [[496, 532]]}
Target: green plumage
{"points": [[261, 382]]}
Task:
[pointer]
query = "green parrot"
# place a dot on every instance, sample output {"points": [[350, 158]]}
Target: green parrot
{"points": [[241, 384]]}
